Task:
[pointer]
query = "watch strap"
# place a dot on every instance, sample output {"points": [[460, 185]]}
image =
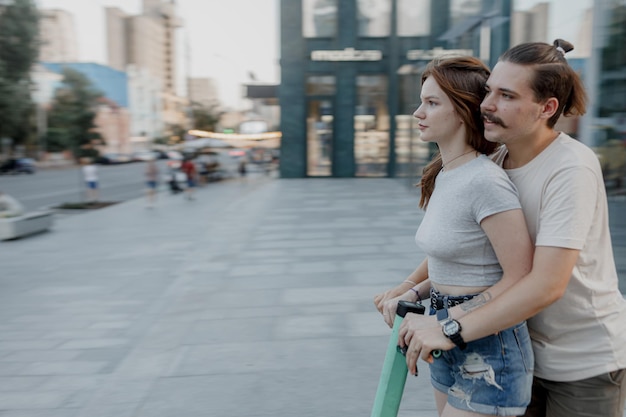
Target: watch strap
{"points": [[442, 314]]}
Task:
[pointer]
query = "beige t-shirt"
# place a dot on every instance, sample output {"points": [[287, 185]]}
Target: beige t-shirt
{"points": [[583, 334]]}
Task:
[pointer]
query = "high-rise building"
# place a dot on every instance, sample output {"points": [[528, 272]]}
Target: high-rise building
{"points": [[148, 43], [147, 40], [58, 37], [202, 91], [530, 25], [164, 13]]}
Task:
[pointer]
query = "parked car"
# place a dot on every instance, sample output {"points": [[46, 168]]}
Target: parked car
{"points": [[175, 159], [113, 158], [143, 156], [18, 166]]}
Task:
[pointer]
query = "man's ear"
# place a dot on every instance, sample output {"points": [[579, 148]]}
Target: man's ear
{"points": [[550, 107]]}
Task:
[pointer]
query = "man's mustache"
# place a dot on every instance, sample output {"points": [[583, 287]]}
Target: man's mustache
{"points": [[493, 119]]}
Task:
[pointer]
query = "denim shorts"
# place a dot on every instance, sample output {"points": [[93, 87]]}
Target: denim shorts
{"points": [[492, 375]]}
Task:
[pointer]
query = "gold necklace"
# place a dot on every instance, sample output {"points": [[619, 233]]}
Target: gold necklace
{"points": [[443, 166]]}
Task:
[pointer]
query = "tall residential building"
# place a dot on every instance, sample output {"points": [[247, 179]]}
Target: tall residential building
{"points": [[164, 13], [58, 37], [147, 40], [148, 43], [202, 91], [530, 25]]}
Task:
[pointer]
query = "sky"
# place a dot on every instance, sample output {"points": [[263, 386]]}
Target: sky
{"points": [[228, 39]]}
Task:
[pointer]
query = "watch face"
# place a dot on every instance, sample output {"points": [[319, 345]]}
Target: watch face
{"points": [[451, 327]]}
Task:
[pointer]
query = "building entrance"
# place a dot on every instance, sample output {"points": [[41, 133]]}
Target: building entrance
{"points": [[319, 137]]}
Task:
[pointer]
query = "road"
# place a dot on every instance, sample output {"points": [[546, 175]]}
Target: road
{"points": [[51, 187]]}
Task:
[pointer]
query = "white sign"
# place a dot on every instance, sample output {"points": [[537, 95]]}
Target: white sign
{"points": [[348, 54], [427, 55]]}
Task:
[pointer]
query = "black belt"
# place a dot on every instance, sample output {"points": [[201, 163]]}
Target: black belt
{"points": [[439, 301]]}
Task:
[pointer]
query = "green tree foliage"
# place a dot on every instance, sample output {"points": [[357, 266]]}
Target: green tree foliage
{"points": [[71, 118], [204, 118], [19, 48]]}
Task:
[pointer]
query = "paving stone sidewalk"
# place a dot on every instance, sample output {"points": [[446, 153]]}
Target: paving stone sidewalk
{"points": [[253, 300]]}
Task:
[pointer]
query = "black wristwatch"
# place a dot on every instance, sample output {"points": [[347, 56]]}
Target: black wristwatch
{"points": [[452, 330]]}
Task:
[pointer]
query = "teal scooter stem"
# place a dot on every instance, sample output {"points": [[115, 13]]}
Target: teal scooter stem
{"points": [[393, 375]]}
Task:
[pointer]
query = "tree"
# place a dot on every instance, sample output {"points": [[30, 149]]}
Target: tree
{"points": [[71, 118], [19, 48], [204, 118]]}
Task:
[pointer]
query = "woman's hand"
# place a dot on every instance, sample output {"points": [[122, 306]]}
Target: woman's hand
{"points": [[397, 291], [390, 306]]}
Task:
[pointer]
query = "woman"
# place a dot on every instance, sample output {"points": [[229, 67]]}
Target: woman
{"points": [[477, 245]]}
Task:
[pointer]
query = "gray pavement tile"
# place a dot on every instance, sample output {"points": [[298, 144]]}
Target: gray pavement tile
{"points": [[67, 412], [28, 344], [147, 363], [241, 330], [83, 333], [33, 400], [285, 355], [21, 383], [274, 269], [41, 356], [109, 325], [63, 368], [327, 295], [308, 267], [72, 382], [109, 410], [93, 343], [336, 251], [11, 368]]}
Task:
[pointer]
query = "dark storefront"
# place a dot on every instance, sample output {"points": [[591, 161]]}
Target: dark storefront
{"points": [[350, 77]]}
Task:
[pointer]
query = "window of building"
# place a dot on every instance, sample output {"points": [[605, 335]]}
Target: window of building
{"points": [[413, 18], [371, 126], [460, 10], [319, 18], [373, 17], [319, 127], [320, 85]]}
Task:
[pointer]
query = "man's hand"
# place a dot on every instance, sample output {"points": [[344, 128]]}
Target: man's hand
{"points": [[421, 335]]}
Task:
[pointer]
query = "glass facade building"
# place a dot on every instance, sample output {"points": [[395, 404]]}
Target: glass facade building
{"points": [[350, 78]]}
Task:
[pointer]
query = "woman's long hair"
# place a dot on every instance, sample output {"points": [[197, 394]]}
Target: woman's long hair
{"points": [[463, 80]]}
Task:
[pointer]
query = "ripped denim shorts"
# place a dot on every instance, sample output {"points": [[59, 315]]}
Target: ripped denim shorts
{"points": [[492, 375]]}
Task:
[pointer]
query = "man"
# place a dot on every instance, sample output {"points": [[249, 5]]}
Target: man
{"points": [[576, 313], [189, 168]]}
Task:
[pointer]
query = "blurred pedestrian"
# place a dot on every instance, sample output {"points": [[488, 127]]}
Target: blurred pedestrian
{"points": [[571, 298], [90, 175], [152, 181], [242, 168], [476, 241], [9, 206], [189, 168]]}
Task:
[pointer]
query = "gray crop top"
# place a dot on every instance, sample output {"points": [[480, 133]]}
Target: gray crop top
{"points": [[458, 250]]}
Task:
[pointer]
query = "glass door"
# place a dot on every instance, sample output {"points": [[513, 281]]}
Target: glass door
{"points": [[371, 126], [319, 128]]}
